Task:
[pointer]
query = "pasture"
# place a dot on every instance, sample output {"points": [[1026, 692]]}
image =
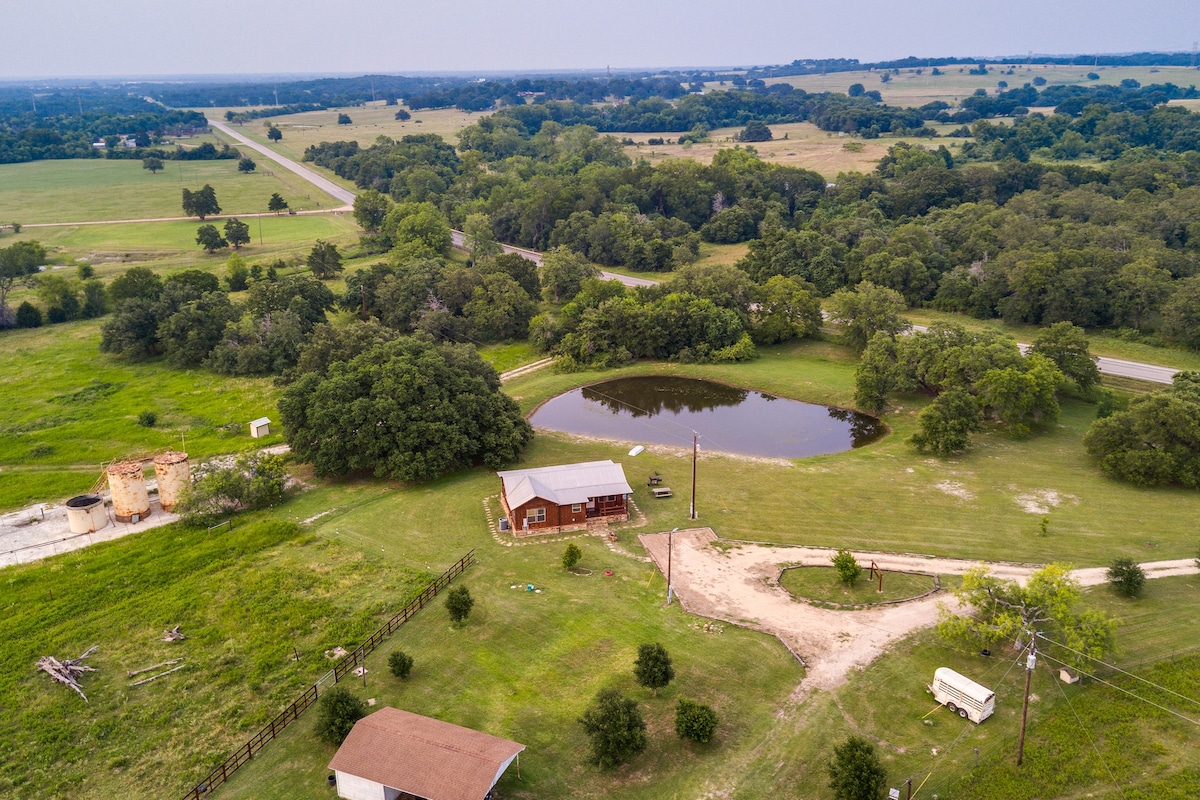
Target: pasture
{"points": [[90, 190], [70, 407], [369, 123], [805, 146], [909, 88]]}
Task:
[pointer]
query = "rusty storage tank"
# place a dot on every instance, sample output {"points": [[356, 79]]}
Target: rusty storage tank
{"points": [[85, 513], [173, 474], [130, 501]]}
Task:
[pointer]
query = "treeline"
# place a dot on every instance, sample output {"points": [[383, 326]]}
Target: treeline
{"points": [[239, 117], [826, 65], [25, 136], [1097, 132], [489, 94], [700, 314]]}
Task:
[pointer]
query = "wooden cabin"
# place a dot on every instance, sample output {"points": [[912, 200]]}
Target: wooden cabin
{"points": [[551, 499]]}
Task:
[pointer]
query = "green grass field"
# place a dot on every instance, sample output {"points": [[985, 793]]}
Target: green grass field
{"points": [[822, 585], [86, 190], [985, 504], [71, 407]]}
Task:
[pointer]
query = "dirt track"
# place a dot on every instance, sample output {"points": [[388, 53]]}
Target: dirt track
{"points": [[737, 582]]}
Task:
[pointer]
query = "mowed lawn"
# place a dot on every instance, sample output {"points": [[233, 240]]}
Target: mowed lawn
{"points": [[987, 503], [68, 408], [87, 190]]}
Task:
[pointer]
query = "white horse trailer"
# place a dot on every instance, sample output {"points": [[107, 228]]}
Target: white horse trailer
{"points": [[962, 695]]}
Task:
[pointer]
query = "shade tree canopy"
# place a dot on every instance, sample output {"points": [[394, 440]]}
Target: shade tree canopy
{"points": [[409, 409], [615, 728], [201, 203]]}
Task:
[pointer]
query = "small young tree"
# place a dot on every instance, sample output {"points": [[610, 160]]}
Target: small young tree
{"points": [[337, 711], [400, 663], [695, 721], [847, 567], [344, 119], [615, 727], [273, 133], [1126, 576], [856, 773], [571, 556], [459, 603], [653, 667], [246, 164], [153, 164], [277, 203]]}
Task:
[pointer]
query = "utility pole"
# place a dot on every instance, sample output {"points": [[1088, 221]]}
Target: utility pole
{"points": [[670, 549], [695, 448], [1030, 663]]}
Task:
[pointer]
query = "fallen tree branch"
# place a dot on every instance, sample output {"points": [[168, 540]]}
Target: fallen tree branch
{"points": [[156, 666], [159, 675]]}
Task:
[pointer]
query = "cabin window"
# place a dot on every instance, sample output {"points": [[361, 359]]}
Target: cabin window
{"points": [[535, 515], [576, 508]]}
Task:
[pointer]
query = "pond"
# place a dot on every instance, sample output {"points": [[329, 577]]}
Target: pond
{"points": [[665, 410]]}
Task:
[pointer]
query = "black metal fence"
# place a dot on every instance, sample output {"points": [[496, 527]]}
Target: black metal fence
{"points": [[347, 663]]}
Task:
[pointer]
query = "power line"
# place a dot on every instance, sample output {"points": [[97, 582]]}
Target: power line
{"points": [[1123, 672], [1126, 691], [1087, 733]]}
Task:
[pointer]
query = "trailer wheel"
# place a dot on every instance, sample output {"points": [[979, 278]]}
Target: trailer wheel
{"points": [[953, 708], [962, 712]]}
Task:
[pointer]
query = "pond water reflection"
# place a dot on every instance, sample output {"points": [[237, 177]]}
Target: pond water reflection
{"points": [[665, 410]]}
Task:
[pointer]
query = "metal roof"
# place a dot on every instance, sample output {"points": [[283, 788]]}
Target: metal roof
{"points": [[260, 421], [564, 484], [423, 756]]}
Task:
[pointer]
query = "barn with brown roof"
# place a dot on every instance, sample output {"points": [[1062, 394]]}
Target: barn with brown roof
{"points": [[398, 755], [551, 499]]}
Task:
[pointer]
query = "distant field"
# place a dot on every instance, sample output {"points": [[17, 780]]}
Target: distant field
{"points": [[86, 190], [169, 246], [806, 146], [910, 89], [370, 122]]}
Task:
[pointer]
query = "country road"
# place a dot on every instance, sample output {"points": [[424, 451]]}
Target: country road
{"points": [[327, 186], [1116, 367]]}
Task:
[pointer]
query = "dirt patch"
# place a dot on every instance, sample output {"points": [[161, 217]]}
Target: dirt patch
{"points": [[1041, 501], [720, 580], [955, 489]]}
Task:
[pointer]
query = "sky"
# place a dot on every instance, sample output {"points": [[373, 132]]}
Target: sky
{"points": [[72, 38]]}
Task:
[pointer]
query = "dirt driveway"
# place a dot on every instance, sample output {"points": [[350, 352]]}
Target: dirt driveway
{"points": [[737, 582]]}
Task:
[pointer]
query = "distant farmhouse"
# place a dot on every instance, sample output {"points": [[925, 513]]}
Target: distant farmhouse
{"points": [[568, 496], [398, 755]]}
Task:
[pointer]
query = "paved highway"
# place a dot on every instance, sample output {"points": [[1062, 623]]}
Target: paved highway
{"points": [[1108, 366], [344, 196]]}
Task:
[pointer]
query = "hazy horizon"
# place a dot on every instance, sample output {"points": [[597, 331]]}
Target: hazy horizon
{"points": [[126, 39]]}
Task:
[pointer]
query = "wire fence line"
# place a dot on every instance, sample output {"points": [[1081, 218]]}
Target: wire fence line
{"points": [[222, 772]]}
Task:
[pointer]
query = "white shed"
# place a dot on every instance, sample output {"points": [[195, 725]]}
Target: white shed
{"points": [[260, 427]]}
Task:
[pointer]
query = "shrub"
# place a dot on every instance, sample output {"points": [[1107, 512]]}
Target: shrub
{"points": [[695, 721], [459, 603], [571, 556], [400, 663], [856, 772], [254, 481], [1126, 576], [615, 727], [147, 419], [847, 567], [653, 667], [337, 711], [28, 315]]}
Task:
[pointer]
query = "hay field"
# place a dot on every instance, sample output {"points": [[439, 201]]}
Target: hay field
{"points": [[910, 89]]}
